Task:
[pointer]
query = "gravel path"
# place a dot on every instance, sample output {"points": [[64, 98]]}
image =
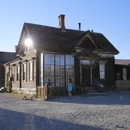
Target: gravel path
{"points": [[111, 112]]}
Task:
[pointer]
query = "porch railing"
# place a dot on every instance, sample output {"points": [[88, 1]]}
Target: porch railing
{"points": [[123, 84]]}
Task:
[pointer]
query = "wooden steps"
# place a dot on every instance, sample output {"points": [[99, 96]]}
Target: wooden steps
{"points": [[91, 91]]}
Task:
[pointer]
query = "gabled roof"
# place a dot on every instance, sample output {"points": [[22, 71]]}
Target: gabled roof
{"points": [[122, 62], [104, 43], [50, 38], [92, 40], [7, 56], [53, 39]]}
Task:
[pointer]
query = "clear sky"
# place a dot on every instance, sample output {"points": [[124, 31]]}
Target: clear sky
{"points": [[109, 17]]}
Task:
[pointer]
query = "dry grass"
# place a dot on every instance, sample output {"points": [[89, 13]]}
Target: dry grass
{"points": [[19, 95]]}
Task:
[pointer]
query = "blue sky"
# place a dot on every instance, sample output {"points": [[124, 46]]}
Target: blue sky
{"points": [[109, 17]]}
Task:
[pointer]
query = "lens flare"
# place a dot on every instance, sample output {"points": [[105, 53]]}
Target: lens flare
{"points": [[101, 85]]}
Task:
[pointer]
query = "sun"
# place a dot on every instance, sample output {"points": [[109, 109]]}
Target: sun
{"points": [[28, 42]]}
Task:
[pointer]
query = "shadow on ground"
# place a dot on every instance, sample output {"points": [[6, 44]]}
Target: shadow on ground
{"points": [[12, 120], [112, 98]]}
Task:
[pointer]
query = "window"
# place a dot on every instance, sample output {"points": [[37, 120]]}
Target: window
{"points": [[18, 73], [12, 74], [124, 74], [31, 71], [102, 70], [49, 68], [69, 68], [24, 71], [59, 70]]}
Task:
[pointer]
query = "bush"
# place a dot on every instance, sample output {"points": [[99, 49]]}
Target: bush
{"points": [[8, 90]]}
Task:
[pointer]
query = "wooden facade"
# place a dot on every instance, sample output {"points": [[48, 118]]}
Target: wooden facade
{"points": [[56, 54], [4, 58], [122, 74]]}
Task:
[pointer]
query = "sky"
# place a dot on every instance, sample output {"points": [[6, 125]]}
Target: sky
{"points": [[109, 17]]}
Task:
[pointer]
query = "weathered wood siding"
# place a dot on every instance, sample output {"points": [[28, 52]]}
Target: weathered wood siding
{"points": [[109, 72], [2, 75]]}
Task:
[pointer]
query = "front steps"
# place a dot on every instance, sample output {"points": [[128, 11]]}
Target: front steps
{"points": [[91, 91]]}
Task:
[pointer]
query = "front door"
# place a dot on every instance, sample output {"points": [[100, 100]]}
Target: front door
{"points": [[86, 78]]}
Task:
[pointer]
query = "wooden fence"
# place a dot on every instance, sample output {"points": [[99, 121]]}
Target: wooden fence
{"points": [[123, 84]]}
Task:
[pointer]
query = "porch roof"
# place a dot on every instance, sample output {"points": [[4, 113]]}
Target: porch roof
{"points": [[122, 62], [7, 56]]}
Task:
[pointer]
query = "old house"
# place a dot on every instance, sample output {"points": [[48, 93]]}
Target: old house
{"points": [[4, 58], [55, 54]]}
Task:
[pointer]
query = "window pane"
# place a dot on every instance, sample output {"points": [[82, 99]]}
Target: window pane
{"points": [[124, 74], [59, 70], [102, 71], [102, 76], [31, 70], [60, 81], [49, 70], [85, 62], [102, 67], [49, 79], [69, 60], [70, 76], [69, 70], [49, 59], [59, 59]]}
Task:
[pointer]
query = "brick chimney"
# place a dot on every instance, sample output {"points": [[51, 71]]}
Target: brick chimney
{"points": [[16, 49], [61, 21]]}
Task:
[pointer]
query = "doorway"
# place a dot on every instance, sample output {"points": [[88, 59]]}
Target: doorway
{"points": [[86, 75]]}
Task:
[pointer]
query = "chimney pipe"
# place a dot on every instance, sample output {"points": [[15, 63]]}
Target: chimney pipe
{"points": [[79, 26], [61, 21]]}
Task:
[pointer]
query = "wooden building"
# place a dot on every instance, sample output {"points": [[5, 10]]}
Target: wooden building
{"points": [[122, 69], [122, 74], [55, 54], [4, 58]]}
